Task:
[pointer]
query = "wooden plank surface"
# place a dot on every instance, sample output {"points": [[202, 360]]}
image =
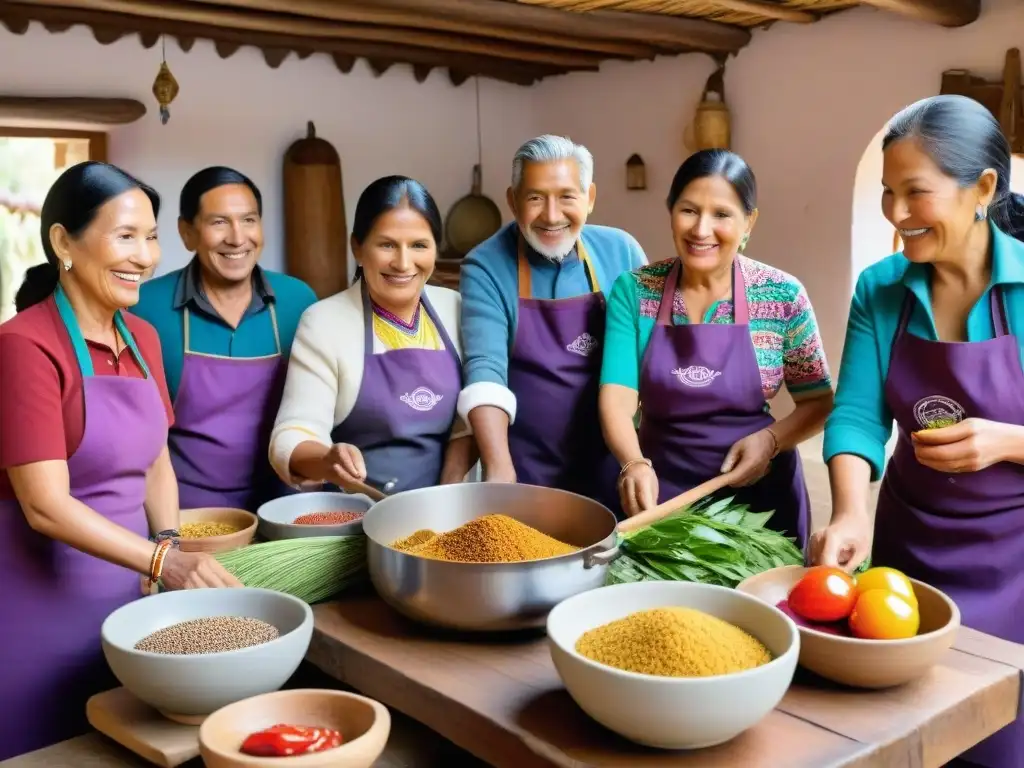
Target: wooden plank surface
{"points": [[500, 698], [410, 745]]}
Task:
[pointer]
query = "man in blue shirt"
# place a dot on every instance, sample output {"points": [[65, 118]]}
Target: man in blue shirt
{"points": [[226, 327], [533, 303]]}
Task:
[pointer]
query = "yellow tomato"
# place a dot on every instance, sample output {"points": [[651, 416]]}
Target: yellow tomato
{"points": [[887, 578], [883, 615]]}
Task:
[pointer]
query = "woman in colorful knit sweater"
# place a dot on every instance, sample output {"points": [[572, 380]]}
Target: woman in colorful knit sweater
{"points": [[699, 344]]}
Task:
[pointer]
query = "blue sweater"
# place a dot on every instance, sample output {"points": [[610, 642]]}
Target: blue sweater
{"points": [[861, 422], [489, 284], [160, 305]]}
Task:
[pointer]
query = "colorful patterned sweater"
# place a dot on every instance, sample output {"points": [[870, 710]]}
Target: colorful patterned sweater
{"points": [[782, 324]]}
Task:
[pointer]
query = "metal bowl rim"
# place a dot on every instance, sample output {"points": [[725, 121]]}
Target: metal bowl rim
{"points": [[613, 534]]}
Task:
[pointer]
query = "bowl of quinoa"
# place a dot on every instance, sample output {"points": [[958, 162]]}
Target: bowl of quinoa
{"points": [[188, 653], [315, 513]]}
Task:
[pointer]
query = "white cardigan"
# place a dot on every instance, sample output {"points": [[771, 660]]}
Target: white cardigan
{"points": [[325, 370]]}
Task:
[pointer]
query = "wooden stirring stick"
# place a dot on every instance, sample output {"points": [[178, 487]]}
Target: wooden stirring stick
{"points": [[376, 495], [653, 515]]}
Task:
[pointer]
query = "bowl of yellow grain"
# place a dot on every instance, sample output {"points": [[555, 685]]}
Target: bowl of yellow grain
{"points": [[672, 664], [216, 529]]}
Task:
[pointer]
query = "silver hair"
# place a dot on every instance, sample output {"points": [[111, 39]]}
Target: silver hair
{"points": [[549, 149]]}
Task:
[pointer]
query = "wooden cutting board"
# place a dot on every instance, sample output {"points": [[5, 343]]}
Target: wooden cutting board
{"points": [[134, 725]]}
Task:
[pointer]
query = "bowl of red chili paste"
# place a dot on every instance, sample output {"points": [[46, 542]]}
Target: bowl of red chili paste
{"points": [[305, 728], [320, 513]]}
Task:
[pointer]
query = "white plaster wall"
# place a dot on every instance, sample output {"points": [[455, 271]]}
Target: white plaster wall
{"points": [[241, 113]]}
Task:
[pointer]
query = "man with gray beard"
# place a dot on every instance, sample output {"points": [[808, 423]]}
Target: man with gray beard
{"points": [[533, 313]]}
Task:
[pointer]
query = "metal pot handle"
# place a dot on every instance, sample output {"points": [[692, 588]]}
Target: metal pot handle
{"points": [[594, 557]]}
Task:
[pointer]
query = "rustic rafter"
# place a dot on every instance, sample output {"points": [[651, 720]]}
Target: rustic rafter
{"points": [[99, 111], [948, 13], [165, 10], [519, 41], [373, 13], [108, 27]]}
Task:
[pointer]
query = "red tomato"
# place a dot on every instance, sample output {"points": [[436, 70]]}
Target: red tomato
{"points": [[824, 594]]}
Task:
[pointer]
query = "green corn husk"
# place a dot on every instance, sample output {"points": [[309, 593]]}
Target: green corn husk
{"points": [[711, 542], [714, 541], [311, 569]]}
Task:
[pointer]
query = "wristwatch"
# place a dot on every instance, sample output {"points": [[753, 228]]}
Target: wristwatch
{"points": [[170, 533]]}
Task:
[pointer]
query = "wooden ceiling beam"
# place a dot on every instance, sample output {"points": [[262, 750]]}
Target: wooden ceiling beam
{"points": [[276, 24], [228, 41], [654, 29], [947, 13], [767, 10], [371, 13], [519, 21], [78, 110]]}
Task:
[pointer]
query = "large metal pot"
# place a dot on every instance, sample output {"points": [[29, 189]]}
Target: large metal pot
{"points": [[487, 596]]}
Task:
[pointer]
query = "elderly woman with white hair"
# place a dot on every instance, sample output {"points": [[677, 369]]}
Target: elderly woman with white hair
{"points": [[533, 316]]}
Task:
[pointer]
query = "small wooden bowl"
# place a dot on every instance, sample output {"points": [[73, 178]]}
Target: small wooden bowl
{"points": [[246, 522], [866, 663], [364, 724]]}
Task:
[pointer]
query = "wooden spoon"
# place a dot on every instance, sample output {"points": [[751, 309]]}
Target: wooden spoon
{"points": [[368, 490], [654, 514]]}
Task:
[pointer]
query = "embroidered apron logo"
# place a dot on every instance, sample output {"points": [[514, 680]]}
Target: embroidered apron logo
{"points": [[583, 345], [936, 411], [696, 375], [421, 399]]}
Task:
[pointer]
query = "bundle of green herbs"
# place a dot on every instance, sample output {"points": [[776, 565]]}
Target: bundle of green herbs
{"points": [[715, 541]]}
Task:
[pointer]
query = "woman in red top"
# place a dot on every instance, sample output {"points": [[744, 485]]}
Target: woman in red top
{"points": [[85, 476]]}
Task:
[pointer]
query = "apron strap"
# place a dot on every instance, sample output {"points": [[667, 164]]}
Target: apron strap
{"points": [[997, 304], [526, 279], [905, 309], [364, 294], [445, 338], [668, 293], [740, 308], [78, 343], [186, 319]]}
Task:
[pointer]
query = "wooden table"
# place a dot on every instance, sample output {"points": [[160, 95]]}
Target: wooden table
{"points": [[501, 699], [410, 745]]}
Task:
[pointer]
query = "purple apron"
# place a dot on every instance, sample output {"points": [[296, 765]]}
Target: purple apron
{"points": [[223, 414], [962, 533], [403, 415], [700, 392], [554, 370], [54, 598]]}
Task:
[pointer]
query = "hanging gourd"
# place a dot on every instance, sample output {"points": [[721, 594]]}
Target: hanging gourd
{"points": [[165, 86], [711, 125], [316, 235]]}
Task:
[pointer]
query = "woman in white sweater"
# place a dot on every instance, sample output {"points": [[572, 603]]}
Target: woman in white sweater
{"points": [[375, 370]]}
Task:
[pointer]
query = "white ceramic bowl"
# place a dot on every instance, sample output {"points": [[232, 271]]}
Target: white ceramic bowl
{"points": [[276, 516], [673, 712], [364, 724], [187, 688]]}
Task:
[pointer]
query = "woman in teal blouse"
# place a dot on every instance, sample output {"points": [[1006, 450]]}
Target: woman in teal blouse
{"points": [[935, 342]]}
